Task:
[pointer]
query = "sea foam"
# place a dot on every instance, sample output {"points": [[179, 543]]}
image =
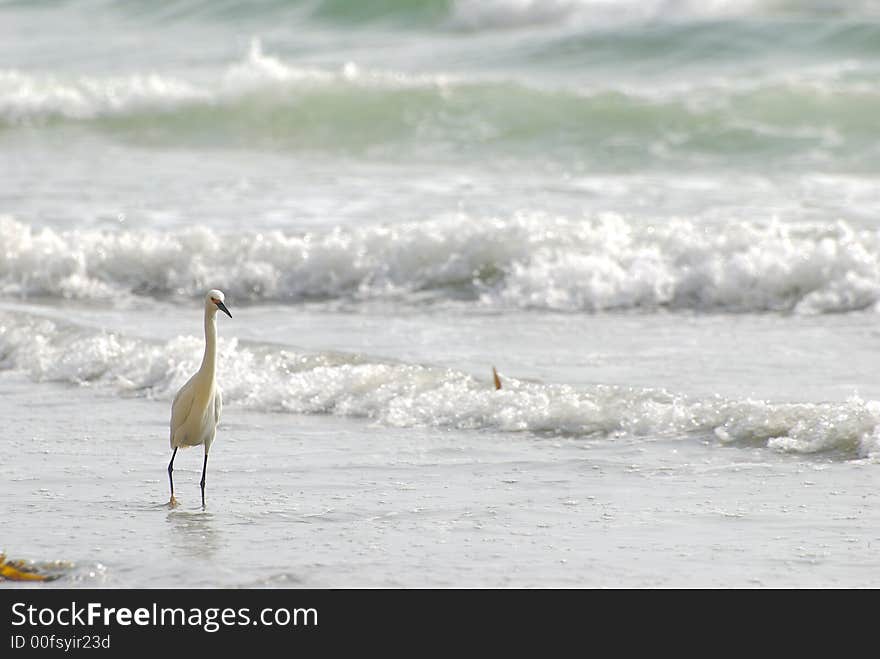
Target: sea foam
{"points": [[271, 379], [31, 97], [603, 263]]}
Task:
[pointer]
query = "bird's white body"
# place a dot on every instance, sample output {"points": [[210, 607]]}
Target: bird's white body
{"points": [[195, 412]]}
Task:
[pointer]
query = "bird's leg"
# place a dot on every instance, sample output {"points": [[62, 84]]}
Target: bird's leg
{"points": [[172, 502], [202, 483]]}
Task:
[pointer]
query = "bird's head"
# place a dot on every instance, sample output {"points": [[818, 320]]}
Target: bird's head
{"points": [[214, 300]]}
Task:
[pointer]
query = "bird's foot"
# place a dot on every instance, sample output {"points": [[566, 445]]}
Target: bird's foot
{"points": [[172, 503]]}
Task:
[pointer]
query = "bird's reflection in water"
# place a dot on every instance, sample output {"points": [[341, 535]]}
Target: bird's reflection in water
{"points": [[194, 533]]}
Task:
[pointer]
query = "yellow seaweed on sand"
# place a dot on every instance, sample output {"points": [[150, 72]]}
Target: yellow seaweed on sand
{"points": [[19, 571]]}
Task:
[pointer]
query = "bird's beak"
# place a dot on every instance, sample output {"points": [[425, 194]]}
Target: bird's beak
{"points": [[223, 308]]}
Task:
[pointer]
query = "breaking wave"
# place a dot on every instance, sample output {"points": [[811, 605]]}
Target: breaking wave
{"points": [[524, 261], [397, 394], [263, 102]]}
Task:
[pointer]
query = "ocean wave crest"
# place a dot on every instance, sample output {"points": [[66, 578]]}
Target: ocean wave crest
{"points": [[495, 14], [264, 102], [524, 261], [396, 394]]}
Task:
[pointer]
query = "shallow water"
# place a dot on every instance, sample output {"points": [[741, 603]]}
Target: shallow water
{"points": [[316, 501], [657, 220]]}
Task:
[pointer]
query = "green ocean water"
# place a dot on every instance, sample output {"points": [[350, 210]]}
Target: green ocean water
{"points": [[601, 85]]}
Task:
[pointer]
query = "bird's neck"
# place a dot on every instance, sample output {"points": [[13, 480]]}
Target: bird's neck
{"points": [[210, 359]]}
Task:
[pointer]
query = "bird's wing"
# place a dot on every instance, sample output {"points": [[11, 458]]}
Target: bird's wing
{"points": [[183, 402], [218, 406]]}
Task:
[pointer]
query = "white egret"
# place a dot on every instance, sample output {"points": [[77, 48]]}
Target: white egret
{"points": [[195, 412]]}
